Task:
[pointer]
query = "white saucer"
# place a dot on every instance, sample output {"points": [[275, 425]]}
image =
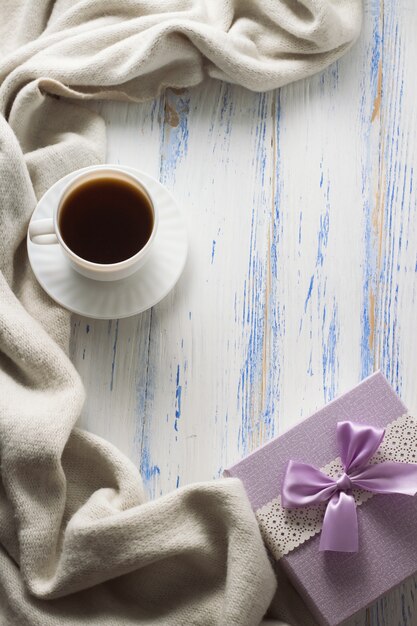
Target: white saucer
{"points": [[122, 298]]}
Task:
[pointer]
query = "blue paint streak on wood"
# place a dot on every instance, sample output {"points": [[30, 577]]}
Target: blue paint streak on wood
{"points": [[223, 115], [178, 393], [226, 110], [173, 149], [369, 277], [316, 300], [276, 310], [147, 469], [330, 327], [310, 365], [173, 139], [213, 249], [262, 147], [113, 362], [253, 309], [309, 292], [300, 226], [323, 237], [390, 358], [329, 353], [367, 355], [263, 316], [317, 286], [276, 217], [144, 394]]}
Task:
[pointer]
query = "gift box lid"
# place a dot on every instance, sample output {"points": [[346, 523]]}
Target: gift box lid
{"points": [[336, 585]]}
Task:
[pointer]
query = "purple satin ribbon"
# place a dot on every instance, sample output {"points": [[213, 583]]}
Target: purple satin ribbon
{"points": [[304, 485]]}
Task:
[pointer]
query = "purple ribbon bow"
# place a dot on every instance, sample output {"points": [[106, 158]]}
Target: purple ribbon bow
{"points": [[304, 485]]}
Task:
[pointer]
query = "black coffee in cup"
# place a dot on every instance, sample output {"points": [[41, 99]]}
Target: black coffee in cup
{"points": [[106, 219]]}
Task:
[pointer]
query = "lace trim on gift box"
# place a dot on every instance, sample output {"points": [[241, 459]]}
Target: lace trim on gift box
{"points": [[283, 530]]}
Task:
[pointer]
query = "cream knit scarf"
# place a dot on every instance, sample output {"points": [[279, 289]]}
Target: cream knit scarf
{"points": [[79, 543]]}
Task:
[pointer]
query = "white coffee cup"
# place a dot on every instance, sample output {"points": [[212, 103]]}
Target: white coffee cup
{"points": [[47, 231]]}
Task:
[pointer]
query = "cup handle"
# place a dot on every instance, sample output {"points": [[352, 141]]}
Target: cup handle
{"points": [[43, 231]]}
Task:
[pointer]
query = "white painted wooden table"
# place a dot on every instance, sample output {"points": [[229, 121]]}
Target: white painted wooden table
{"points": [[302, 273]]}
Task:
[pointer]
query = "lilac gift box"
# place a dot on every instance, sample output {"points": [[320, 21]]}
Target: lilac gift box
{"points": [[335, 585]]}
